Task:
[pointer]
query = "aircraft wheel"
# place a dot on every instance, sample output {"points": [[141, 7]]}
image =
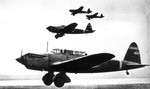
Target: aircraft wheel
{"points": [[47, 79], [59, 80], [127, 72], [56, 36]]}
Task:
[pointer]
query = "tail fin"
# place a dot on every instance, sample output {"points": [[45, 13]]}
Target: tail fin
{"points": [[89, 28], [133, 53], [101, 16], [89, 11]]}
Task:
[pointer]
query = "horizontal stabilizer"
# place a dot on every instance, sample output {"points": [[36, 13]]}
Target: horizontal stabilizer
{"points": [[132, 66]]}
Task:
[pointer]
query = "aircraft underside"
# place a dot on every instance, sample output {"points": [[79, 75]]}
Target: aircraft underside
{"points": [[74, 32], [61, 78]]}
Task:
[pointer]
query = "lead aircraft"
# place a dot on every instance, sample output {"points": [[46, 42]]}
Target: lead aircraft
{"points": [[79, 10], [69, 29], [68, 61]]}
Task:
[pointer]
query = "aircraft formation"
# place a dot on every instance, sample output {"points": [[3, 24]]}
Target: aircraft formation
{"points": [[69, 61], [71, 28]]}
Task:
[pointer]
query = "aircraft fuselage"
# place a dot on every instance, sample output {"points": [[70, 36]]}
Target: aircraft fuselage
{"points": [[44, 63], [72, 31], [35, 62]]}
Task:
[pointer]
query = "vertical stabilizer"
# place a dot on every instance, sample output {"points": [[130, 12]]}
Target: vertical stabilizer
{"points": [[89, 11], [133, 53], [89, 28]]}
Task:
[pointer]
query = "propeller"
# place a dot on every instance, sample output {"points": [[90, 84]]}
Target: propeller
{"points": [[21, 59]]}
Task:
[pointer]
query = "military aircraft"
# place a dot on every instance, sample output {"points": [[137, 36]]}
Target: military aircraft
{"points": [[70, 29], [68, 61], [94, 16], [79, 10]]}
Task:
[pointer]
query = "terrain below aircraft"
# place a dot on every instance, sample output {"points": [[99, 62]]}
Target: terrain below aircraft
{"points": [[94, 16], [70, 29], [68, 61], [79, 10]]}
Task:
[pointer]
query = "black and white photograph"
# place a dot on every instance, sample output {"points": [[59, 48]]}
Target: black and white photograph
{"points": [[74, 44]]}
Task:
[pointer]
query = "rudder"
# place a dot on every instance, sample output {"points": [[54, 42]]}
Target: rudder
{"points": [[89, 11], [89, 28], [133, 53]]}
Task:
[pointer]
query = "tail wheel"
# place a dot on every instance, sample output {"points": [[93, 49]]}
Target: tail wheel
{"points": [[127, 72], [47, 79]]}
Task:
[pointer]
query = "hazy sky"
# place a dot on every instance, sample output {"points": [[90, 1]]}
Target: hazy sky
{"points": [[23, 26]]}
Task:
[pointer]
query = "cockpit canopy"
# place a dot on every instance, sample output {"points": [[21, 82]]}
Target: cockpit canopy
{"points": [[69, 52]]}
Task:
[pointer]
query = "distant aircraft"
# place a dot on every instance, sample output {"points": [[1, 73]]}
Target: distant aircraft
{"points": [[69, 61], [94, 16], [70, 29], [79, 10]]}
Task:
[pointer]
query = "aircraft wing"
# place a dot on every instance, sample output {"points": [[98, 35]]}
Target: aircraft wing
{"points": [[69, 28], [82, 63], [80, 9], [95, 14]]}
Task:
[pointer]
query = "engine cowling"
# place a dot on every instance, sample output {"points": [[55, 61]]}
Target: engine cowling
{"points": [[37, 63]]}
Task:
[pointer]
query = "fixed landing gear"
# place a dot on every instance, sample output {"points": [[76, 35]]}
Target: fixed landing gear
{"points": [[56, 36], [59, 79], [48, 78], [127, 72], [59, 35]]}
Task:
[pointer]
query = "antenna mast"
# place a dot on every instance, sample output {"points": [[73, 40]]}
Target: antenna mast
{"points": [[47, 47]]}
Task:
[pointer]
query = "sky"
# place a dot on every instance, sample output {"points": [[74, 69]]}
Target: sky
{"points": [[23, 26]]}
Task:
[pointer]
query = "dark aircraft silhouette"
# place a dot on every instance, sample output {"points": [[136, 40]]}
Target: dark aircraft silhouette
{"points": [[68, 61], [79, 10], [94, 16], [70, 29]]}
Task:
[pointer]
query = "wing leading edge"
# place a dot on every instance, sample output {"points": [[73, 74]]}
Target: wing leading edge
{"points": [[69, 28], [82, 64]]}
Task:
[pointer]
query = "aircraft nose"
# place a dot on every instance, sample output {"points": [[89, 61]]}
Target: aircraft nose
{"points": [[21, 60], [50, 28]]}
